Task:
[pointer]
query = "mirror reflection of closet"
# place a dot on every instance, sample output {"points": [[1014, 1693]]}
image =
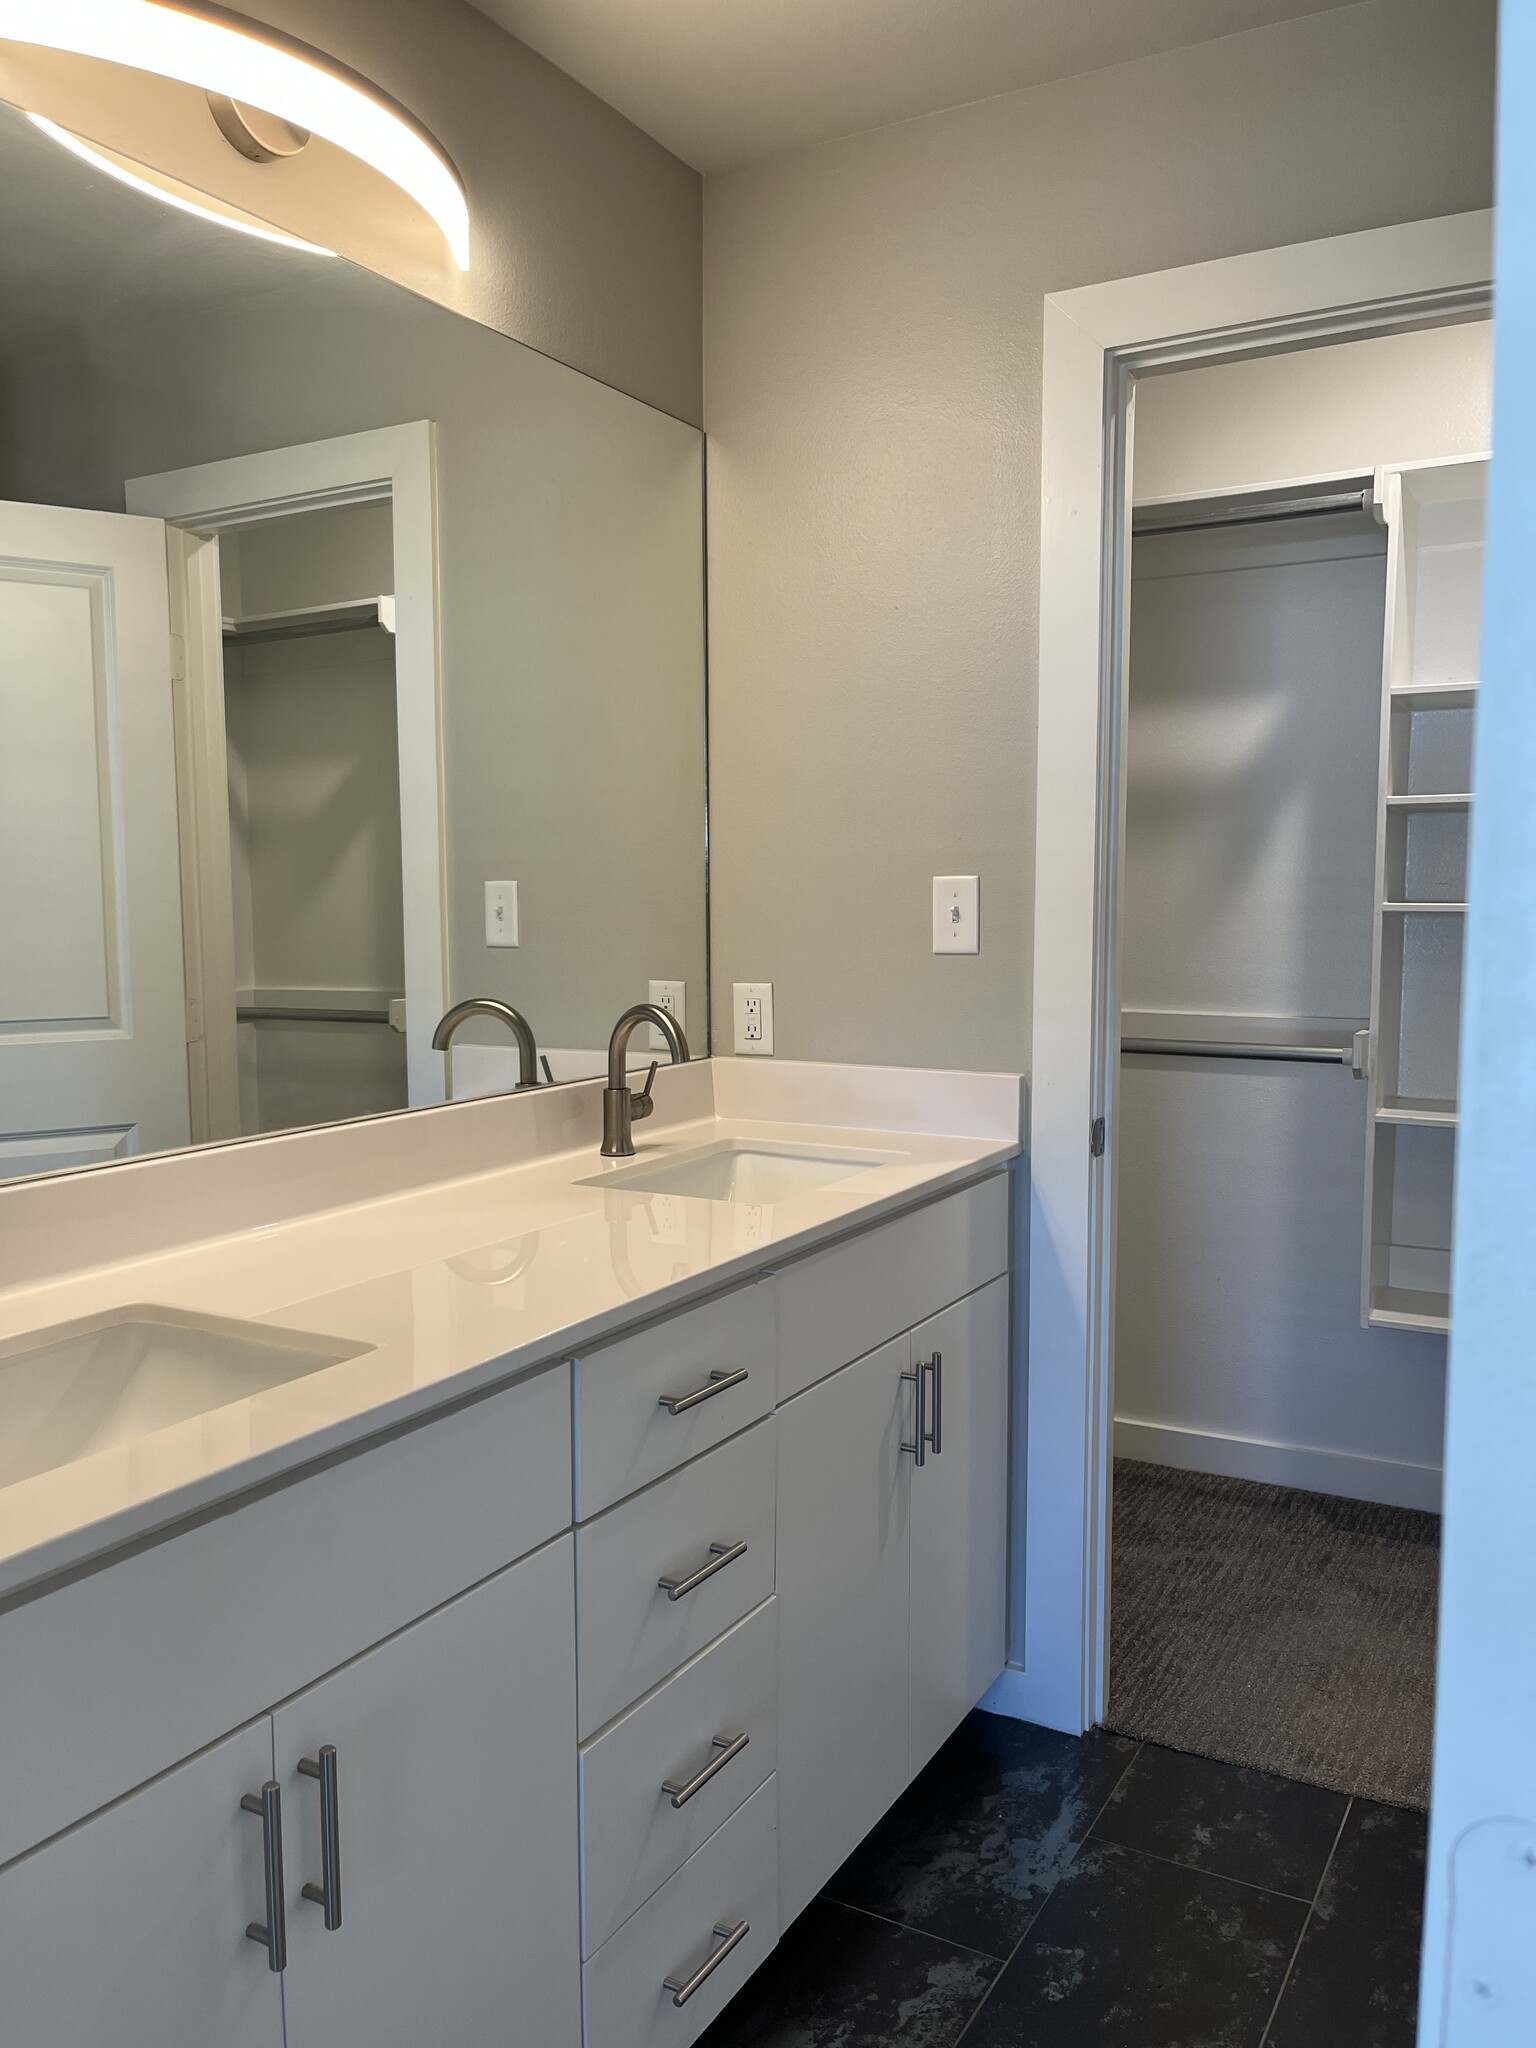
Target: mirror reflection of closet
{"points": [[314, 810]]}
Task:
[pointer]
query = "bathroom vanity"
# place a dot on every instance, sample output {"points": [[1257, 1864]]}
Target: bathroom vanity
{"points": [[606, 1552]]}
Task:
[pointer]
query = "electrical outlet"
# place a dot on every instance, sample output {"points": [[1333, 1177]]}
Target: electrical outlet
{"points": [[754, 1016], [956, 914], [671, 996], [501, 913]]}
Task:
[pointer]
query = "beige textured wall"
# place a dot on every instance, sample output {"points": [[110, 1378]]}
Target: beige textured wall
{"points": [[587, 233], [872, 395]]}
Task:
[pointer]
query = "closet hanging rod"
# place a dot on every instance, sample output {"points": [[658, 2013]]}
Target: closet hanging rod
{"points": [[1194, 519], [1218, 1049], [278, 1013]]}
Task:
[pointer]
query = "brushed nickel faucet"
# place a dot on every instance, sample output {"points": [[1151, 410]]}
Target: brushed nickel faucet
{"points": [[622, 1107], [515, 1021]]}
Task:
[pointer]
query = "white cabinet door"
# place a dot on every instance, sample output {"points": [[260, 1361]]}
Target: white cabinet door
{"points": [[844, 1504], [130, 1931], [457, 1838], [960, 1515]]}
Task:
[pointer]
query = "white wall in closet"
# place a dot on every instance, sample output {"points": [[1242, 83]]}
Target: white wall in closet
{"points": [[1316, 412], [1255, 705]]}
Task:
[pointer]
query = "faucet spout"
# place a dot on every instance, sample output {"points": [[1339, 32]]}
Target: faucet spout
{"points": [[623, 1106], [515, 1021]]}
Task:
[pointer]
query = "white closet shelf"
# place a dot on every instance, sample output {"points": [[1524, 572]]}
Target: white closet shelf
{"points": [[1429, 803], [1402, 1308], [1434, 696], [1424, 909], [1404, 1109]]}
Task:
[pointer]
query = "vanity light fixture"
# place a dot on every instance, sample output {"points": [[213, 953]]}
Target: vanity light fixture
{"points": [[170, 190], [243, 68]]}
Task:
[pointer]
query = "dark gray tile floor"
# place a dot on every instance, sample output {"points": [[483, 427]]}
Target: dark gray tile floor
{"points": [[1033, 1890]]}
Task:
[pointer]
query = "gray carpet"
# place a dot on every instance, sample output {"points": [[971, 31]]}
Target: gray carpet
{"points": [[1259, 1625]]}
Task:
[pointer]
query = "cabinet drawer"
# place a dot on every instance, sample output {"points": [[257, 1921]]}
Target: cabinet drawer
{"points": [[631, 1632], [731, 1881], [626, 1437], [633, 1835], [838, 1304], [196, 1634]]}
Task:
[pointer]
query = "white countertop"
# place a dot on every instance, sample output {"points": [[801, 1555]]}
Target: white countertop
{"points": [[463, 1283]]}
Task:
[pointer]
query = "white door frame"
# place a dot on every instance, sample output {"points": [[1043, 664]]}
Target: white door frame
{"points": [[398, 464], [1098, 340]]}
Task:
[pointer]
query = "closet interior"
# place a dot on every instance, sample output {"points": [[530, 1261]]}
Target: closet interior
{"points": [[314, 815], [1299, 777]]}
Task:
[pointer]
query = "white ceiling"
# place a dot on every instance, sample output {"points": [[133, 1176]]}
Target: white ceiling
{"points": [[722, 82]]}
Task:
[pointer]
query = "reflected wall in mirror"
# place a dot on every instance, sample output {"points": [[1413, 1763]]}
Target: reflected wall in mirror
{"points": [[322, 611]]}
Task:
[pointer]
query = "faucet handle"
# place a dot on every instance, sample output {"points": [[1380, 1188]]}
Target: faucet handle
{"points": [[641, 1105]]}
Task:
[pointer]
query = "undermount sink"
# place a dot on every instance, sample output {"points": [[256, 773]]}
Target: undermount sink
{"points": [[107, 1379], [735, 1171]]}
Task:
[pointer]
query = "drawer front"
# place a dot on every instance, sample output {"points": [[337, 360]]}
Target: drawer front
{"points": [[632, 1633], [634, 1835], [731, 1881], [626, 1435], [199, 1633], [838, 1304]]}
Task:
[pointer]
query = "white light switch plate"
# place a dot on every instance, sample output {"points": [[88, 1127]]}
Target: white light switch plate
{"points": [[501, 913], [956, 914], [754, 1016], [671, 996]]}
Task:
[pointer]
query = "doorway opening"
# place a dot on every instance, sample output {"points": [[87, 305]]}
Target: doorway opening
{"points": [[310, 722], [1301, 673]]}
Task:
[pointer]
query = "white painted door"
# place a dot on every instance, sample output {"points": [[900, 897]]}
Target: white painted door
{"points": [[93, 1029], [129, 1932], [457, 1833], [843, 1558], [960, 1516]]}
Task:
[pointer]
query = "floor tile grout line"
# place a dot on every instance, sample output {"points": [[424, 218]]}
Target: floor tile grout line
{"points": [[1222, 1877], [967, 1948], [1029, 1925], [1290, 1968]]}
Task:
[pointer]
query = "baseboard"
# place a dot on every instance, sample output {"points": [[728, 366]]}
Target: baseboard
{"points": [[1386, 1480]]}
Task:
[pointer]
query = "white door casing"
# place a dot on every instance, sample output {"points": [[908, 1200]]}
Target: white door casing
{"points": [[93, 1027], [1098, 340], [397, 464]]}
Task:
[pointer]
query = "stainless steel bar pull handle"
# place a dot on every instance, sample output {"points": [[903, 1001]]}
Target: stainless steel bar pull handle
{"points": [[267, 1805], [327, 1893], [720, 1555], [918, 1451], [936, 1417], [718, 1383], [683, 1988], [727, 1746]]}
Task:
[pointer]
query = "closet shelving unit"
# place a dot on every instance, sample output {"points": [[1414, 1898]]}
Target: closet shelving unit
{"points": [[1433, 513]]}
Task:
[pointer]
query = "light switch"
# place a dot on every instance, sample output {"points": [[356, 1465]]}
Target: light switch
{"points": [[501, 913], [956, 914]]}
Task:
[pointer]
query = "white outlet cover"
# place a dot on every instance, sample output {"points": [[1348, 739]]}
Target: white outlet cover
{"points": [[752, 1005], [671, 996], [501, 913], [956, 914]]}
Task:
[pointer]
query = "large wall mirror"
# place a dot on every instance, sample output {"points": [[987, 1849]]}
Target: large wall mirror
{"points": [[351, 665]]}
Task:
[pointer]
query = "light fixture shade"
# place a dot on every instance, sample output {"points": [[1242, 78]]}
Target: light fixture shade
{"points": [[170, 191], [218, 52]]}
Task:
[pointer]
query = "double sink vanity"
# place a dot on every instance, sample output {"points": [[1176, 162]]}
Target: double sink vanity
{"points": [[456, 1587]]}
